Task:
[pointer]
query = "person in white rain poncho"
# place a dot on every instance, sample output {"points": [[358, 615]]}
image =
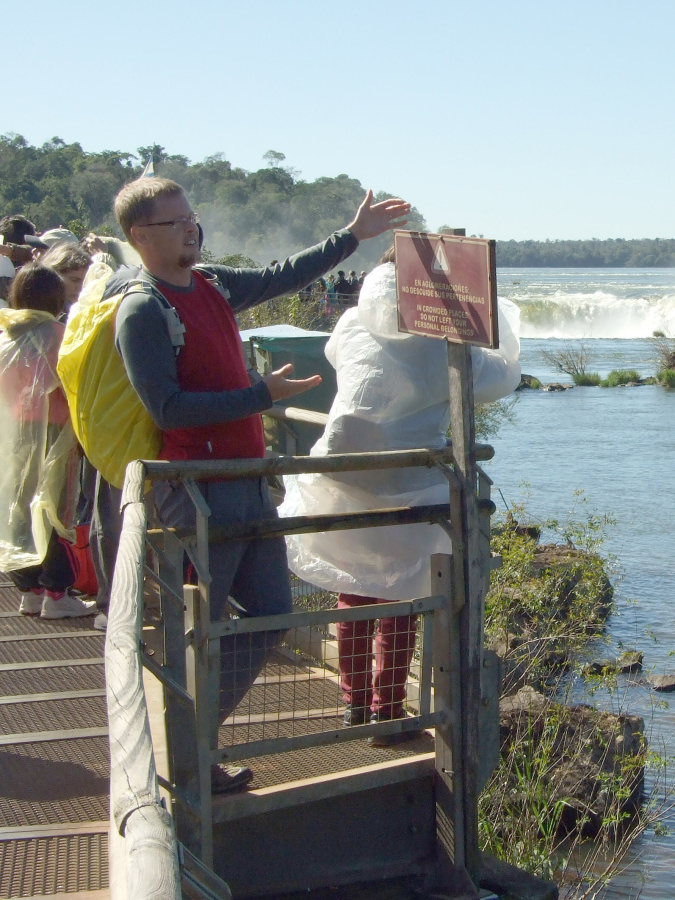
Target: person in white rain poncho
{"points": [[392, 394]]}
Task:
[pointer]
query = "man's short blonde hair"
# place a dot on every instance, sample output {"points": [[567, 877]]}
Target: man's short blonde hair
{"points": [[136, 201]]}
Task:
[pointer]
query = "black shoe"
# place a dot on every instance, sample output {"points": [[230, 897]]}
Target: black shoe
{"points": [[391, 740], [355, 715], [228, 779]]}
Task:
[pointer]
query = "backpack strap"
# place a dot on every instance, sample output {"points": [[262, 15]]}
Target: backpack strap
{"points": [[174, 325], [214, 281]]}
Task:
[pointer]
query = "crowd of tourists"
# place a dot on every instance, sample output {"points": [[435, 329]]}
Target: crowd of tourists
{"points": [[189, 396], [334, 290], [60, 537]]}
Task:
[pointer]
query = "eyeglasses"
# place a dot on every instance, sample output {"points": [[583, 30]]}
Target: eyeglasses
{"points": [[192, 219]]}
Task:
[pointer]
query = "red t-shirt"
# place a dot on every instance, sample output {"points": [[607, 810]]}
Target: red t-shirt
{"points": [[212, 359]]}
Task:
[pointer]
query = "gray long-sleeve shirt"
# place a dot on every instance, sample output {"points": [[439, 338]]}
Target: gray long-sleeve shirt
{"points": [[143, 339]]}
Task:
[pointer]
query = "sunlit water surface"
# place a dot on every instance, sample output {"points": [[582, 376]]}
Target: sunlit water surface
{"points": [[618, 447]]}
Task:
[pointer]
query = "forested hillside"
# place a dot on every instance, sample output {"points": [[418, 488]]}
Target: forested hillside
{"points": [[612, 254], [261, 215]]}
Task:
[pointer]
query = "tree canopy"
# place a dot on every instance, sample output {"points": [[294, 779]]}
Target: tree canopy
{"points": [[612, 254], [262, 215]]}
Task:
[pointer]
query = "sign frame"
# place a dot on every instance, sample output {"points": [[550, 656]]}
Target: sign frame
{"points": [[432, 301]]}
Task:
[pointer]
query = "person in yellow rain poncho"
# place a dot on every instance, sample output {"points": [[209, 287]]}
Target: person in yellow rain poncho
{"points": [[38, 480]]}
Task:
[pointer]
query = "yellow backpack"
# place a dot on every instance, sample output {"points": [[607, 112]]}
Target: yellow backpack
{"points": [[109, 420]]}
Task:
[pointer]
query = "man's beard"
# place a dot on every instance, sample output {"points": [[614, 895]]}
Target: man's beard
{"points": [[187, 260]]}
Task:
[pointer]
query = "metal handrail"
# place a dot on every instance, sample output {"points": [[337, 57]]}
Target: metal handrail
{"points": [[137, 812]]}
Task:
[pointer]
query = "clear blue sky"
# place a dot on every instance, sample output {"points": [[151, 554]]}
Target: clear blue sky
{"points": [[520, 119]]}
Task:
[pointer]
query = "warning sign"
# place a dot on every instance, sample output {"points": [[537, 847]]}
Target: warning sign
{"points": [[447, 287]]}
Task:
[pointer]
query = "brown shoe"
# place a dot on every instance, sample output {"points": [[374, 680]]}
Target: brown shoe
{"points": [[228, 779]]}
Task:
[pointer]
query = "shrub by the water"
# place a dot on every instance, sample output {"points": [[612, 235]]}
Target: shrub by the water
{"points": [[587, 379], [666, 377], [621, 376]]}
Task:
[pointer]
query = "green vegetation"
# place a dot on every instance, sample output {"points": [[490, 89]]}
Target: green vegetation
{"points": [[567, 772], [587, 379], [546, 602], [610, 254], [260, 215], [489, 417], [666, 377], [664, 350], [572, 359], [618, 377]]}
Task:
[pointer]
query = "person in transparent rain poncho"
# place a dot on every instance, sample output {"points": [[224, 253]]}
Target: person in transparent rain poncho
{"points": [[38, 481], [392, 394]]}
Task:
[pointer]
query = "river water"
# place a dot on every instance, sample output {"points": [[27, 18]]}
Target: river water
{"points": [[618, 447]]}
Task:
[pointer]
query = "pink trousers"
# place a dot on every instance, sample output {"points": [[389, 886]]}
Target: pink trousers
{"points": [[384, 690]]}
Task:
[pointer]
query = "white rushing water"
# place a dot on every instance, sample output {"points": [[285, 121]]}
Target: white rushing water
{"points": [[591, 303], [618, 447]]}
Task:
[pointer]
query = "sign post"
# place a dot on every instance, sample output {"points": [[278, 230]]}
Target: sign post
{"points": [[447, 289]]}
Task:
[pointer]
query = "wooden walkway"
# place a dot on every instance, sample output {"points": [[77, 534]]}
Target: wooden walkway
{"points": [[54, 758]]}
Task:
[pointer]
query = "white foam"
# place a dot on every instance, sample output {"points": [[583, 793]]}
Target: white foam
{"points": [[595, 315]]}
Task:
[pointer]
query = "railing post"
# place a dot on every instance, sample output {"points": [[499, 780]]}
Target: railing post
{"points": [[448, 703], [181, 726], [467, 541], [197, 658]]}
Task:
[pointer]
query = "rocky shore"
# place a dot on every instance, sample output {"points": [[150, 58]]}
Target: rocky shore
{"points": [[567, 770]]}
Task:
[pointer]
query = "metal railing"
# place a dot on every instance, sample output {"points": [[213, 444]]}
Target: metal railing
{"points": [[187, 663]]}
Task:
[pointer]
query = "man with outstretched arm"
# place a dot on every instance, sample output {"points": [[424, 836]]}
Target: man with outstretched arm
{"points": [[202, 400]]}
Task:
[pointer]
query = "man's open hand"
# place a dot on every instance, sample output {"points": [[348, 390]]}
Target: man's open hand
{"points": [[281, 387], [375, 218]]}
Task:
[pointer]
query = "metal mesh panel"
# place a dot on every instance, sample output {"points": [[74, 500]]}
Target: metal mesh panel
{"points": [[296, 765], [30, 625], [62, 678], [53, 715], [49, 865], [54, 781], [371, 666], [88, 647], [9, 598]]}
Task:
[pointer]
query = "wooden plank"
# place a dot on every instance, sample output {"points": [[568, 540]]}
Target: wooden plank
{"points": [[79, 895], [296, 414], [318, 739], [177, 692], [63, 829], [404, 515], [52, 695], [198, 881], [307, 790], [51, 664], [39, 737], [166, 589], [11, 638], [339, 462], [325, 616]]}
